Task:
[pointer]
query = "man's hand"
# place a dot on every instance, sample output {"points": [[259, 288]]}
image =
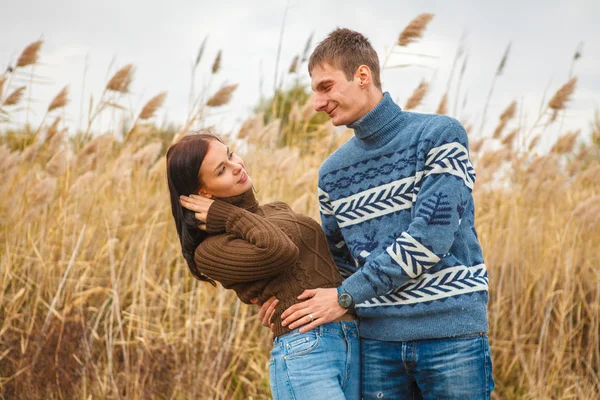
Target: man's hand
{"points": [[321, 308], [267, 310]]}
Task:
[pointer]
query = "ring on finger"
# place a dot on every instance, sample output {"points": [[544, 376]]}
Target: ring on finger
{"points": [[311, 317]]}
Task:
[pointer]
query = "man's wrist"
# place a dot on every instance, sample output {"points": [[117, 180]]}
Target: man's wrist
{"points": [[344, 298]]}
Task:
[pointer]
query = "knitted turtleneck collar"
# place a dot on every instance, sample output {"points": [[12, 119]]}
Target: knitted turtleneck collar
{"points": [[246, 200], [380, 124]]}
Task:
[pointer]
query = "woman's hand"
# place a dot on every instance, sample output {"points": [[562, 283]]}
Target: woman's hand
{"points": [[199, 205]]}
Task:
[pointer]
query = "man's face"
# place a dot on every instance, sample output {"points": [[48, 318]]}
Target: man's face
{"points": [[344, 101]]}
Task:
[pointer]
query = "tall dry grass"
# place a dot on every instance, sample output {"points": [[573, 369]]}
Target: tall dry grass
{"points": [[97, 302]]}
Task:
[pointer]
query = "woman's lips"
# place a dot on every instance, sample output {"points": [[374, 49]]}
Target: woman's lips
{"points": [[243, 178]]}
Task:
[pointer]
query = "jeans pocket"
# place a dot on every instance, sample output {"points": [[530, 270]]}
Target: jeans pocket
{"points": [[301, 343]]}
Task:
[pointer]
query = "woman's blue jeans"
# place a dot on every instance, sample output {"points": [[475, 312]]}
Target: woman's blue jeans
{"points": [[323, 363], [450, 368]]}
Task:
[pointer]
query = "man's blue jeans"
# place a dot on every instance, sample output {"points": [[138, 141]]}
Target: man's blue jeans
{"points": [[451, 368], [321, 364]]}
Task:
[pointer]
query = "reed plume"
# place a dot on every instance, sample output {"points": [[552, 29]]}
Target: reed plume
{"points": [[152, 105], [506, 116], [562, 96], [217, 63], [30, 54], [565, 143], [61, 99], [121, 80], [510, 138], [307, 47], [294, 65], [417, 96], [15, 96], [3, 79], [58, 163], [222, 97], [443, 107], [414, 30]]}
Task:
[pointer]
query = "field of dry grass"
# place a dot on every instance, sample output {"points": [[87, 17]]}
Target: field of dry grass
{"points": [[96, 300]]}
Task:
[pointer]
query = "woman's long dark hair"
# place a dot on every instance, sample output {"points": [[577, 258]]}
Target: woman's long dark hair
{"points": [[184, 159]]}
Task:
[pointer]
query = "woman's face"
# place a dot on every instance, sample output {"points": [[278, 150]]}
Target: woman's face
{"points": [[223, 173]]}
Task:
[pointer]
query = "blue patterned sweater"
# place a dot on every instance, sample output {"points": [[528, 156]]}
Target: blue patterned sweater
{"points": [[397, 208]]}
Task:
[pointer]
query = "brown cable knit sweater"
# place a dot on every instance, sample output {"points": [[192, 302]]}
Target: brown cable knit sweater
{"points": [[264, 251]]}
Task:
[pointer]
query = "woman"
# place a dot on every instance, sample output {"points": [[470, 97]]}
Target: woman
{"points": [[260, 252]]}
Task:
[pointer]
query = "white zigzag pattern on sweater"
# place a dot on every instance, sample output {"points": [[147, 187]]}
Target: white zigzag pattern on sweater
{"points": [[411, 255], [451, 158], [446, 283], [372, 203]]}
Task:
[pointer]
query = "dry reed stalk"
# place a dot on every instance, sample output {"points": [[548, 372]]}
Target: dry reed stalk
{"points": [[82, 182], [533, 142], [58, 163], [443, 107], [507, 115], [294, 65], [152, 105], [222, 97], [217, 63], [475, 145], [15, 96], [147, 155], [30, 54], [562, 96], [42, 192], [3, 79], [61, 99], [57, 141], [308, 109], [588, 212], [509, 139], [414, 29], [510, 111], [121, 79], [565, 143], [307, 46], [417, 96], [250, 125], [468, 127], [29, 153], [52, 129]]}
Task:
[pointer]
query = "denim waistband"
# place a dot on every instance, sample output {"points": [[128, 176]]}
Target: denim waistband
{"points": [[341, 328]]}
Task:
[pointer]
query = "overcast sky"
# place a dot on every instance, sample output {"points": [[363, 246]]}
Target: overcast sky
{"points": [[162, 39]]}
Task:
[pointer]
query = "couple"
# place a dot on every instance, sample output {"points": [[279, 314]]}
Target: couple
{"points": [[397, 246]]}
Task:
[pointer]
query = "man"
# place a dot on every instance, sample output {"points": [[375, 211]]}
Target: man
{"points": [[396, 201]]}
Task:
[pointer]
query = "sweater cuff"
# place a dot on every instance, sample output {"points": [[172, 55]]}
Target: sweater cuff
{"points": [[359, 287], [219, 213]]}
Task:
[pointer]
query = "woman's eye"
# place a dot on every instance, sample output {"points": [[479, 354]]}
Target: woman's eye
{"points": [[221, 171], [231, 155]]}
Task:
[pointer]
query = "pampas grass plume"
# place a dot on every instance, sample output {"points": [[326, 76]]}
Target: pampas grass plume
{"points": [[417, 96], [15, 96], [152, 105], [222, 97], [30, 54], [414, 29], [121, 80], [562, 96], [61, 99]]}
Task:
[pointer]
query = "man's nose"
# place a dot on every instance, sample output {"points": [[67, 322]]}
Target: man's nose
{"points": [[320, 103]]}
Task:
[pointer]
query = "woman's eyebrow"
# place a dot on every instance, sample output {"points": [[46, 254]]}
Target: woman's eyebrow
{"points": [[222, 162]]}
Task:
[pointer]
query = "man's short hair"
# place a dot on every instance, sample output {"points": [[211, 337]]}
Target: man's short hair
{"points": [[346, 50]]}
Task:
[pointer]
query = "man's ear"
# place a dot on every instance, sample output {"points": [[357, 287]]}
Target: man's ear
{"points": [[363, 75]]}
